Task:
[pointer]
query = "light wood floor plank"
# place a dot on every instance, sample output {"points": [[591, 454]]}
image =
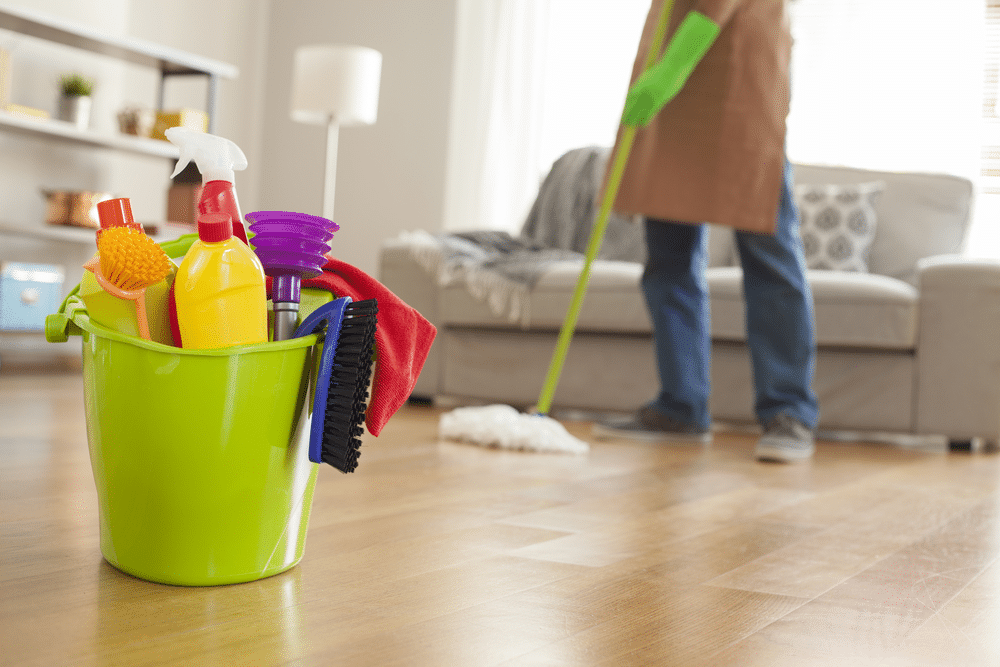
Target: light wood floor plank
{"points": [[813, 566], [966, 629]]}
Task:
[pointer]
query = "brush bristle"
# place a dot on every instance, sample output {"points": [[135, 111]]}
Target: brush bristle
{"points": [[348, 392], [130, 260]]}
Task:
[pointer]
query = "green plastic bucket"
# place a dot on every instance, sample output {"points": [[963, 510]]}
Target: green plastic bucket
{"points": [[200, 457]]}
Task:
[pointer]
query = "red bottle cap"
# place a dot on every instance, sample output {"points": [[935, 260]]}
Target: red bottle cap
{"points": [[214, 227]]}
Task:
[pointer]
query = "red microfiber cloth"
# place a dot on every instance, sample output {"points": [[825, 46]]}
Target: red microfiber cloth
{"points": [[403, 338]]}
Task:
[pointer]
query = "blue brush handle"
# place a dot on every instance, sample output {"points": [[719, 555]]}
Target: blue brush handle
{"points": [[331, 317]]}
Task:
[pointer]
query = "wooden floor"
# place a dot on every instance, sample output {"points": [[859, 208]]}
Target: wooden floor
{"points": [[447, 555]]}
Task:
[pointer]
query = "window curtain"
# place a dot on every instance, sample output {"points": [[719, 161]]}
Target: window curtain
{"points": [[985, 236], [887, 84], [499, 84], [533, 79]]}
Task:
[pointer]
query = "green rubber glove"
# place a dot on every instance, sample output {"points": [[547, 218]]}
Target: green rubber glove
{"points": [[661, 82]]}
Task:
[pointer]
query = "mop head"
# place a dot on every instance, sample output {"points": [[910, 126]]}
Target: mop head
{"points": [[504, 427]]}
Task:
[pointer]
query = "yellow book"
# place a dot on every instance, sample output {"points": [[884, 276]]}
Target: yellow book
{"points": [[22, 111], [192, 119]]}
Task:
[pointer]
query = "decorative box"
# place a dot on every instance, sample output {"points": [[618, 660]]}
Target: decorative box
{"points": [[28, 292]]}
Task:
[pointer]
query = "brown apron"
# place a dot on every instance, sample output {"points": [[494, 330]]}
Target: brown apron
{"points": [[715, 153]]}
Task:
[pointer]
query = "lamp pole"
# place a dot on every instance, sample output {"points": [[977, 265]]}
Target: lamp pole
{"points": [[330, 173]]}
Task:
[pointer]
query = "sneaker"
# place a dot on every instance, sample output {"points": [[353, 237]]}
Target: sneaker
{"points": [[648, 425], [785, 440]]}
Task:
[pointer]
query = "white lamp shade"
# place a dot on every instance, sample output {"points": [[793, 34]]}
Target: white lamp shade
{"points": [[336, 83]]}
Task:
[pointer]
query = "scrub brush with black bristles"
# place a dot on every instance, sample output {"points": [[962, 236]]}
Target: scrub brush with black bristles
{"points": [[345, 369]]}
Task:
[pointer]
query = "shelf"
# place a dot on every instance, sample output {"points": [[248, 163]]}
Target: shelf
{"points": [[68, 132], [79, 235], [136, 51], [51, 233]]}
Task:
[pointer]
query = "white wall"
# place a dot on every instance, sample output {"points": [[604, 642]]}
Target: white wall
{"points": [[391, 175]]}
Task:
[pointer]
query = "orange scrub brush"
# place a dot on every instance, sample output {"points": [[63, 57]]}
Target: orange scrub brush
{"points": [[130, 260], [127, 262]]}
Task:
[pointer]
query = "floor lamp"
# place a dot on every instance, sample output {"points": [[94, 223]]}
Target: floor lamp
{"points": [[335, 85]]}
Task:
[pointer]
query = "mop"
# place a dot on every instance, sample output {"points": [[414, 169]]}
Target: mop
{"points": [[504, 427]]}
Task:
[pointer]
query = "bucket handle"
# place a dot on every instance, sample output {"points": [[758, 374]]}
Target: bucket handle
{"points": [[60, 326]]}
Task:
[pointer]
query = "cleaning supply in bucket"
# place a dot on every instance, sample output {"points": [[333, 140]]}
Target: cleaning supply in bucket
{"points": [[503, 426], [116, 213], [345, 369], [219, 292], [128, 262], [131, 260], [128, 267], [403, 338], [290, 246], [216, 158]]}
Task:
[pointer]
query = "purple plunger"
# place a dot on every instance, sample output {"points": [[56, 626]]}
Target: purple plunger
{"points": [[291, 247]]}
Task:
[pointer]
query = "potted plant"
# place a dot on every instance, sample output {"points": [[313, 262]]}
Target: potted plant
{"points": [[74, 99]]}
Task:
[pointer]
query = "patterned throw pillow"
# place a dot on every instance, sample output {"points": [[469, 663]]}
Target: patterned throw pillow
{"points": [[838, 224]]}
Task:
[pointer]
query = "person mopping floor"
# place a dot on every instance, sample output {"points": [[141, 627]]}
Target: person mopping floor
{"points": [[501, 425], [715, 154], [711, 149]]}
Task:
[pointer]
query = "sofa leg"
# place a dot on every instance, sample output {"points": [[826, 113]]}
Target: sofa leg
{"points": [[425, 401], [960, 445], [980, 445], [972, 445]]}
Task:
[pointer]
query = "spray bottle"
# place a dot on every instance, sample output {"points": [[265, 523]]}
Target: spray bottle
{"points": [[219, 290], [216, 158]]}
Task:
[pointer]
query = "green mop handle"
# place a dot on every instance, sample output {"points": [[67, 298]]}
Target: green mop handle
{"points": [[622, 151], [593, 245]]}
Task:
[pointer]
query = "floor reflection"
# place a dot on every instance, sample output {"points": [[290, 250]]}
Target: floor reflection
{"points": [[139, 621]]}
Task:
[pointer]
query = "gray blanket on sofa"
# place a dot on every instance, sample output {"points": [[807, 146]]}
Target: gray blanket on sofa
{"points": [[502, 270], [567, 205], [514, 258]]}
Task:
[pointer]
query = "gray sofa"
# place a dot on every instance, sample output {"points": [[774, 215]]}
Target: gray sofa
{"points": [[912, 346]]}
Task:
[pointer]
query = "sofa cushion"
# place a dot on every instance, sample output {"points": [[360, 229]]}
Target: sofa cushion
{"points": [[613, 302], [838, 224], [852, 309]]}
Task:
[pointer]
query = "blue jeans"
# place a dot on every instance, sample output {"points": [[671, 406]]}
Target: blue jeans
{"points": [[779, 317]]}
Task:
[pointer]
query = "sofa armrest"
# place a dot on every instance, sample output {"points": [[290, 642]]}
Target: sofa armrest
{"points": [[400, 271], [958, 348]]}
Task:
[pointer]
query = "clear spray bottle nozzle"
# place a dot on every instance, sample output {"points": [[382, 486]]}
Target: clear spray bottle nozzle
{"points": [[216, 157]]}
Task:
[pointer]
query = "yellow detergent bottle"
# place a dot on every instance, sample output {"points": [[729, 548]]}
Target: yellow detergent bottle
{"points": [[219, 289]]}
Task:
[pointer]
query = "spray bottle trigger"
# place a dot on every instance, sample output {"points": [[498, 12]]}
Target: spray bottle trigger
{"points": [[182, 162]]}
